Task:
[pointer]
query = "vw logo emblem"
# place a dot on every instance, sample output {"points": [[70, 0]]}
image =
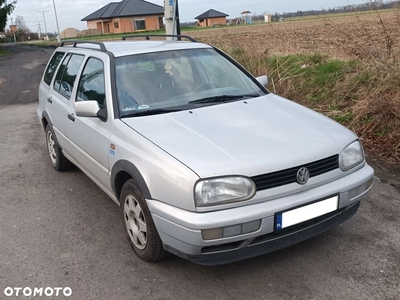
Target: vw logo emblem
{"points": [[303, 175]]}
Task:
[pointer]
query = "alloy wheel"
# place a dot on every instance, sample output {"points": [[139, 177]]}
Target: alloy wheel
{"points": [[135, 222], [51, 145]]}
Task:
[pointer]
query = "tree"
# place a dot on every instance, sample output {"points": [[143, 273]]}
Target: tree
{"points": [[5, 11], [21, 25]]}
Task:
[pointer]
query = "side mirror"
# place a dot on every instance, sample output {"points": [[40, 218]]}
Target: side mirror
{"points": [[90, 109], [263, 80], [86, 108]]}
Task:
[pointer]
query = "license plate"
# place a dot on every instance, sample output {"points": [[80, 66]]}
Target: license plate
{"points": [[305, 213]]}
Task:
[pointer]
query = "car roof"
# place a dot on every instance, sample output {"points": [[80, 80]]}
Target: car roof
{"points": [[124, 48]]}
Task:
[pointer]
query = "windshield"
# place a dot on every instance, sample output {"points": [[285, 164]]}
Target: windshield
{"points": [[176, 80]]}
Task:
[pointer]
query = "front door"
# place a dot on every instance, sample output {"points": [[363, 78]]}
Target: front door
{"points": [[90, 136]]}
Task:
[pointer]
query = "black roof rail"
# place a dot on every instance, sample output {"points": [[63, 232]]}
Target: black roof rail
{"points": [[148, 36], [100, 44]]}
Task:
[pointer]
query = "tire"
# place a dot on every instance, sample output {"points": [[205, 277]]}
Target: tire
{"points": [[57, 158], [138, 224]]}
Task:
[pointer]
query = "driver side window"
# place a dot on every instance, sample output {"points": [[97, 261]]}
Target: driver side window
{"points": [[91, 84]]}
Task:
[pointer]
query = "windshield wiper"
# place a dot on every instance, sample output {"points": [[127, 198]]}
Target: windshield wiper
{"points": [[224, 98], [149, 112]]}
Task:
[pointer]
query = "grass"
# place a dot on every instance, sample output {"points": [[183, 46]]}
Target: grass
{"points": [[50, 43], [338, 15], [119, 36], [362, 95], [4, 52]]}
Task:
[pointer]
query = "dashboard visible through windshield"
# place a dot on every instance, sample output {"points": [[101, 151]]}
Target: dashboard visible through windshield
{"points": [[175, 80]]}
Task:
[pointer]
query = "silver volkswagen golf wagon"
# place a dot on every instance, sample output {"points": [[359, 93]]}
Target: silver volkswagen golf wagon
{"points": [[204, 162]]}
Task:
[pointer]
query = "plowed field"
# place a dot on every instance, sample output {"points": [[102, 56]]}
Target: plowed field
{"points": [[338, 37]]}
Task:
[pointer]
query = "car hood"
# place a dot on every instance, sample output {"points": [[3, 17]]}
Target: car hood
{"points": [[251, 137]]}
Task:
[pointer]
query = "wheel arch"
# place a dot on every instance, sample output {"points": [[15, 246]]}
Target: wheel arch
{"points": [[124, 170], [46, 120]]}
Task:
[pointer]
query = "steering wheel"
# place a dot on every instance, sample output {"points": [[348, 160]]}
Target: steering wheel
{"points": [[206, 86]]}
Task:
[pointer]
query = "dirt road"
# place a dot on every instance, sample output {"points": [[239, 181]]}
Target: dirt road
{"points": [[61, 230], [20, 72]]}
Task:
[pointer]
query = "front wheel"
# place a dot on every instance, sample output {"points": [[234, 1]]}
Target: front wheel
{"points": [[138, 224], [57, 158]]}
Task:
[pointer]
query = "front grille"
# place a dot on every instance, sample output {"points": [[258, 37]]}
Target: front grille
{"points": [[279, 178]]}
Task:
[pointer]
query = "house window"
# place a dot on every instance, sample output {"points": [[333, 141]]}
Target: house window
{"points": [[140, 24], [116, 25]]}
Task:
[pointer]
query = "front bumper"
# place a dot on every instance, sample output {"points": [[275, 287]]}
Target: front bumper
{"points": [[181, 234]]}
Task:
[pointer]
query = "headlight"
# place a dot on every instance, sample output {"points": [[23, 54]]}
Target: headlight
{"points": [[222, 190], [351, 156]]}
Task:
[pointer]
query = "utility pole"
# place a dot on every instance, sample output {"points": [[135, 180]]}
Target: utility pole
{"points": [[171, 13], [43, 12], [12, 27], [177, 21], [169, 17], [39, 28], [58, 27]]}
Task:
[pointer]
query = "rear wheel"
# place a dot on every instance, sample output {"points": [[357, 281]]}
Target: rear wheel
{"points": [[139, 225], [57, 158]]}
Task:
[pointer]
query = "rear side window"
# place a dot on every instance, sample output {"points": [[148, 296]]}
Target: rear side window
{"points": [[67, 73], [51, 69]]}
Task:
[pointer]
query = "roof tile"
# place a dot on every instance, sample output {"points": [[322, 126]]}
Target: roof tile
{"points": [[212, 13], [125, 8]]}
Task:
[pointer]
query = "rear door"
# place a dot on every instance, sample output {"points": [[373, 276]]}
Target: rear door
{"points": [[47, 79], [60, 98]]}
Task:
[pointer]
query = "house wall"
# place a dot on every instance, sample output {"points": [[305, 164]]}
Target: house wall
{"points": [[202, 23], [152, 23], [126, 24], [212, 22], [217, 21], [92, 25]]}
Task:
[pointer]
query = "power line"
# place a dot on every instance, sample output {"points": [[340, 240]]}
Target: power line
{"points": [[43, 12]]}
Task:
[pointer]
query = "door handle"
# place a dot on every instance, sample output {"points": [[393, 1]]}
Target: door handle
{"points": [[71, 117], [50, 100]]}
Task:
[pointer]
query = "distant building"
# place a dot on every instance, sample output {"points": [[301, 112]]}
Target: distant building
{"points": [[69, 33], [89, 32], [126, 16], [211, 18]]}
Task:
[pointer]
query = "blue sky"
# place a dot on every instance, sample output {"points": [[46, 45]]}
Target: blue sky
{"points": [[70, 12]]}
